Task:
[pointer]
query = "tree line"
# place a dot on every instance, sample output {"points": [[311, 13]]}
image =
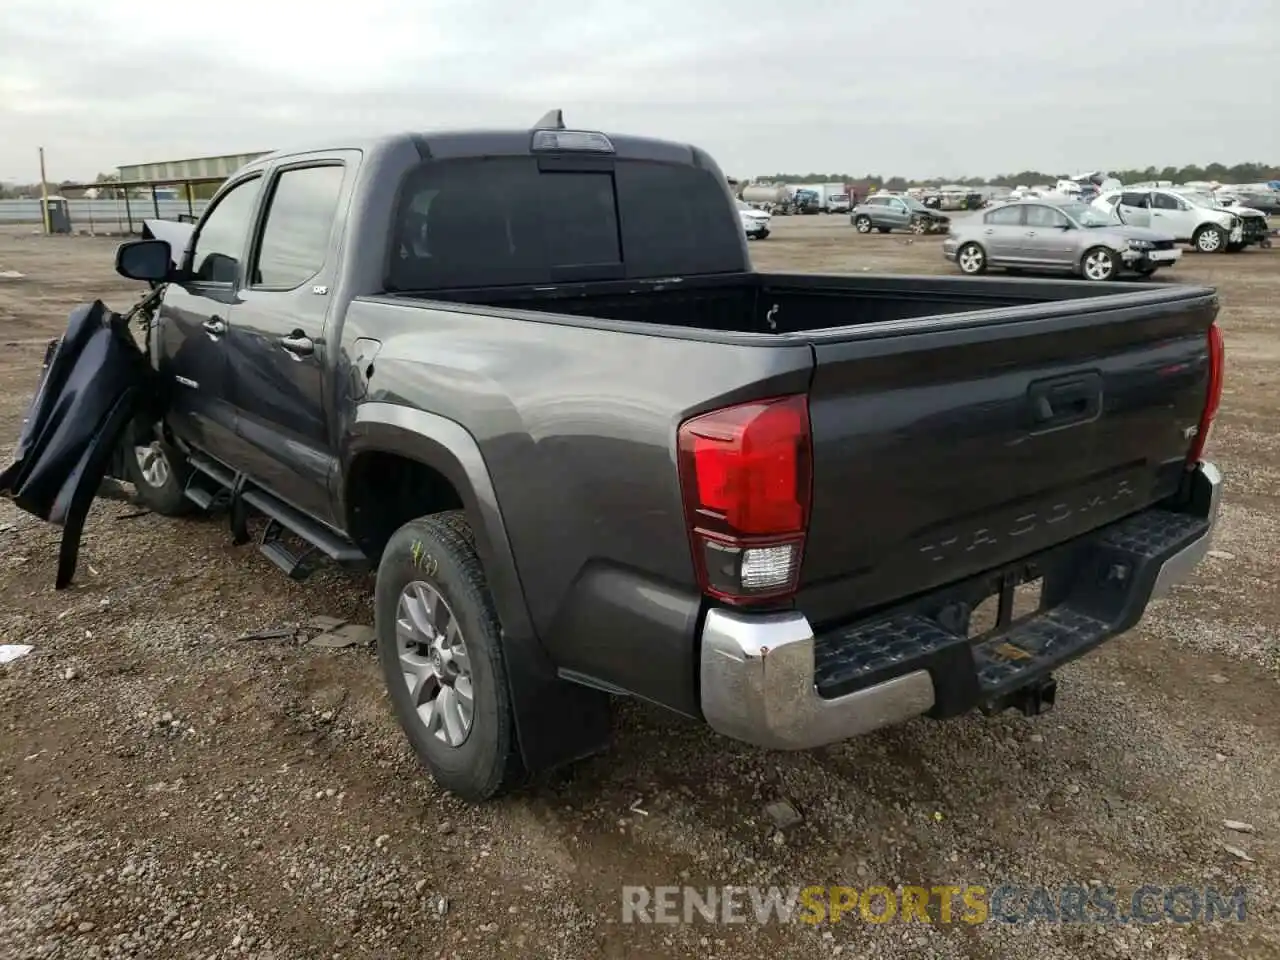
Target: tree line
{"points": [[1237, 173]]}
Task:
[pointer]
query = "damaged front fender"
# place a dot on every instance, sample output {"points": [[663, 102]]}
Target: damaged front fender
{"points": [[94, 382]]}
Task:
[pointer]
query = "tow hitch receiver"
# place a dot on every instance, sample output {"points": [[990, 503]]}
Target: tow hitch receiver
{"points": [[1034, 699]]}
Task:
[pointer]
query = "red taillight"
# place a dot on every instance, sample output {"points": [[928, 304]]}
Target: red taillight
{"points": [[745, 472], [1213, 395]]}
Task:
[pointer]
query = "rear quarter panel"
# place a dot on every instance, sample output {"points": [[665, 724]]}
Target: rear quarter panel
{"points": [[577, 428]]}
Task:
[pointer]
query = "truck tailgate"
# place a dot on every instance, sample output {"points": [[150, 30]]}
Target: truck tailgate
{"points": [[948, 446]]}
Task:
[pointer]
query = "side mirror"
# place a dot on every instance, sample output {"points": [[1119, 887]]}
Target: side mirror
{"points": [[147, 260]]}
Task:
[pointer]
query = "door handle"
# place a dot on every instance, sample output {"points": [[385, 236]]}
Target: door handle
{"points": [[1065, 400], [988, 232], [298, 345], [1031, 233], [214, 327]]}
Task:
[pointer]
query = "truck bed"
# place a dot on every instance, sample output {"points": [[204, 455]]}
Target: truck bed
{"points": [[957, 424], [793, 303]]}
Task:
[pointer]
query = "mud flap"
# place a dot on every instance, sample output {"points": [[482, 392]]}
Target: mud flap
{"points": [[95, 380]]}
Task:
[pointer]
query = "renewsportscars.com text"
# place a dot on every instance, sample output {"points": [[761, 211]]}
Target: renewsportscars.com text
{"points": [[941, 904]]}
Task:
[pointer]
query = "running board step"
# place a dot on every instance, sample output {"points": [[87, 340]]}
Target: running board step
{"points": [[198, 493], [270, 545], [236, 492]]}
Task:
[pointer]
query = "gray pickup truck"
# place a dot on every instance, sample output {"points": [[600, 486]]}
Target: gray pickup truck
{"points": [[533, 379]]}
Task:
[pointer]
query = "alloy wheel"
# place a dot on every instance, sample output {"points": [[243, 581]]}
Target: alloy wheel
{"points": [[435, 664]]}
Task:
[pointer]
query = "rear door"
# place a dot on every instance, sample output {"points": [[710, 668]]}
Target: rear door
{"points": [[1002, 234], [195, 318], [1134, 208], [941, 454], [276, 347]]}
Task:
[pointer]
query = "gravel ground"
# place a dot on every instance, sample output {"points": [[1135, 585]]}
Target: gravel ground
{"points": [[168, 790]]}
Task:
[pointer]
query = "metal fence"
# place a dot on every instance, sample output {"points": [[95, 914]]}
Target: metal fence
{"points": [[103, 216]]}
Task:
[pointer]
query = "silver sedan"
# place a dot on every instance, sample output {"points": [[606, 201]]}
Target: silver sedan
{"points": [[1052, 237]]}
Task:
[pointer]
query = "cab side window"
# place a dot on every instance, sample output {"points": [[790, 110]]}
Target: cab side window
{"points": [[224, 234], [1164, 201], [300, 215], [1046, 217]]}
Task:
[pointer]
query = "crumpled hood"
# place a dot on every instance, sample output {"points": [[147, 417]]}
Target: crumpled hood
{"points": [[174, 233], [1241, 211]]}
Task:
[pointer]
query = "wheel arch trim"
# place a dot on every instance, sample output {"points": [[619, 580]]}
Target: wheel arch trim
{"points": [[447, 447]]}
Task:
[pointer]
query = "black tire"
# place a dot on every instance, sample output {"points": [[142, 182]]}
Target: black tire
{"points": [[862, 224], [762, 235], [167, 497], [1100, 264], [1235, 247], [439, 550], [1210, 239], [974, 256], [1146, 272], [919, 226]]}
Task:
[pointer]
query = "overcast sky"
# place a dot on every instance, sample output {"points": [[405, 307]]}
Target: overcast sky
{"points": [[913, 87]]}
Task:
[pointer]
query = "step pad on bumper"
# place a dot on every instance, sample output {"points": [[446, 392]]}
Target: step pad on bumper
{"points": [[1093, 607]]}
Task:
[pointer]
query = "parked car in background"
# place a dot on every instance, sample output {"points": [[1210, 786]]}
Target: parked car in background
{"points": [[839, 203], [1058, 238], [1191, 217], [755, 223], [885, 212]]}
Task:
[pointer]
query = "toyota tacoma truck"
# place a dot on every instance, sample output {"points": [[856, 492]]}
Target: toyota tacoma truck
{"points": [[531, 377]]}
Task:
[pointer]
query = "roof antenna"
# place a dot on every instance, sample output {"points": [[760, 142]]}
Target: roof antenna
{"points": [[551, 120]]}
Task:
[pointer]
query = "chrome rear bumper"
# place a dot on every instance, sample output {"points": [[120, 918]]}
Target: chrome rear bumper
{"points": [[757, 670]]}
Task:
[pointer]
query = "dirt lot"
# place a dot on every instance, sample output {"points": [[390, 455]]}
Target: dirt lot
{"points": [[170, 791]]}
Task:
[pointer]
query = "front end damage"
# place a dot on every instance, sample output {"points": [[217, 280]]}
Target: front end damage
{"points": [[94, 383]]}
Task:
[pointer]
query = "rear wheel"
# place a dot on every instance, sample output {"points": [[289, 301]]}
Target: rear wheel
{"points": [[1099, 263], [972, 259], [862, 224], [1210, 239], [439, 644]]}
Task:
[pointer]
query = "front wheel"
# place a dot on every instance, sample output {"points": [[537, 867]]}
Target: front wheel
{"points": [[439, 645], [972, 259], [158, 473], [1147, 271], [1210, 239], [862, 224], [919, 227], [1099, 263]]}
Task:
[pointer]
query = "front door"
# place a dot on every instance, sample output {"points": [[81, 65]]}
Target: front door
{"points": [[1173, 216], [1047, 240], [277, 343], [195, 318], [897, 215]]}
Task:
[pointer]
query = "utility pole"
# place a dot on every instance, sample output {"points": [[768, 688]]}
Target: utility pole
{"points": [[44, 197]]}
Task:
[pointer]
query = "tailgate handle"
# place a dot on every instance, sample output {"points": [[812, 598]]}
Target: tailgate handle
{"points": [[1064, 400]]}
